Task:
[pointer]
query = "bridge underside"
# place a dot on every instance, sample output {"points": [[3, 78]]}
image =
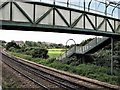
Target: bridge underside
{"points": [[52, 18], [44, 28]]}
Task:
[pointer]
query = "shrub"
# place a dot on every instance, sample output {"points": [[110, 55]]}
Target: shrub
{"points": [[51, 60], [88, 70], [40, 53], [12, 44], [12, 49]]}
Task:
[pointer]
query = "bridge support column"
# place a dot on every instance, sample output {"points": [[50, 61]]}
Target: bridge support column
{"points": [[112, 52], [83, 60]]}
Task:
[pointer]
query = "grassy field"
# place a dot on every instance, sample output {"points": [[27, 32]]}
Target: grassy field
{"points": [[53, 53]]}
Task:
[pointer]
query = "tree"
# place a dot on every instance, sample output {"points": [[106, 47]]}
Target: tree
{"points": [[86, 41], [2, 43], [12, 44], [40, 53]]}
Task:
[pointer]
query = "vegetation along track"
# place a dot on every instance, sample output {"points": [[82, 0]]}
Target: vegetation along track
{"points": [[58, 79]]}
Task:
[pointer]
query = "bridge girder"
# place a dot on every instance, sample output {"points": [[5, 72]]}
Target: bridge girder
{"points": [[52, 18]]}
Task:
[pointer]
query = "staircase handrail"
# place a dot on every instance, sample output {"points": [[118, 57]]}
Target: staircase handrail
{"points": [[83, 49], [67, 53], [93, 43]]}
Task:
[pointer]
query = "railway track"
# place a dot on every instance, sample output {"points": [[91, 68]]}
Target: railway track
{"points": [[41, 86], [32, 75], [57, 79]]}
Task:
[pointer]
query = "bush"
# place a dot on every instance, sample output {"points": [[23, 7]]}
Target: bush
{"points": [[12, 44], [12, 49], [51, 60], [40, 53], [88, 70]]}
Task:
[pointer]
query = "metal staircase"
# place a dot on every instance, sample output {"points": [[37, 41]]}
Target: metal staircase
{"points": [[91, 47]]}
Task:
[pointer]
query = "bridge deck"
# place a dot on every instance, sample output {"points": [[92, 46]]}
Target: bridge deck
{"points": [[53, 18]]}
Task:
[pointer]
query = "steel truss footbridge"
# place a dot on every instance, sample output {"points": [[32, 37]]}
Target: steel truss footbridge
{"points": [[92, 17], [63, 17]]}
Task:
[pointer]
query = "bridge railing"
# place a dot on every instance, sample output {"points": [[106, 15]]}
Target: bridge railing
{"points": [[92, 44], [83, 49], [67, 53], [99, 7], [43, 16]]}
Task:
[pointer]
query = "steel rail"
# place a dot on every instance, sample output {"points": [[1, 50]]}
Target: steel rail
{"points": [[93, 82], [31, 79], [42, 75], [26, 68]]}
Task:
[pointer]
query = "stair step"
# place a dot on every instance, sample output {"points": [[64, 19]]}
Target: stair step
{"points": [[83, 49]]}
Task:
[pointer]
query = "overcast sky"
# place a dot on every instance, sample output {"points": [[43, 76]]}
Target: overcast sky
{"points": [[9, 35]]}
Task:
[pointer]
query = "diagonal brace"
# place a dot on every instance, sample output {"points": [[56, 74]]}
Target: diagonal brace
{"points": [[110, 25], [91, 22], [101, 24], [118, 28], [62, 17], [76, 21], [23, 12], [3, 5], [41, 18]]}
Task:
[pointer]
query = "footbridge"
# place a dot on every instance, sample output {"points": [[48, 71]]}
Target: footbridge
{"points": [[64, 17], [93, 46]]}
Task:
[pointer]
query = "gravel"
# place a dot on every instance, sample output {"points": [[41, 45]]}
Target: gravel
{"points": [[15, 80]]}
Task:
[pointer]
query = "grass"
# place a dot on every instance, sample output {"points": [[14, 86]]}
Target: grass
{"points": [[6, 85], [53, 53], [89, 70], [56, 49]]}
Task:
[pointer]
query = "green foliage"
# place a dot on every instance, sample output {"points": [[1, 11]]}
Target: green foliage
{"points": [[119, 79], [29, 50], [89, 70], [40, 53], [53, 45], [43, 44], [28, 57], [9, 86], [2, 43], [59, 65], [30, 43], [102, 58], [12, 44], [51, 60], [86, 41], [100, 71], [116, 46], [71, 61], [53, 53], [12, 49]]}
